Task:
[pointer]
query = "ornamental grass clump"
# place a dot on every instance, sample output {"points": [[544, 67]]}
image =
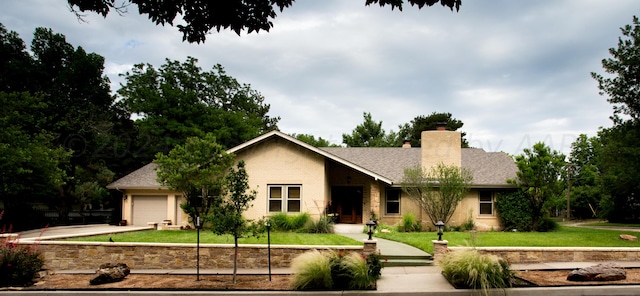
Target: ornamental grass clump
{"points": [[470, 269], [314, 270]]}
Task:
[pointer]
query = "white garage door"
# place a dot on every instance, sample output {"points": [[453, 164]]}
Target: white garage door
{"points": [[149, 209]]}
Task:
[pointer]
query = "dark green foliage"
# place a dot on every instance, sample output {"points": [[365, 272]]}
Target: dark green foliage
{"points": [[514, 210], [202, 17], [374, 263], [19, 264], [619, 156], [619, 159], [180, 100], [547, 224], [412, 131], [311, 140], [541, 178], [370, 134], [64, 106]]}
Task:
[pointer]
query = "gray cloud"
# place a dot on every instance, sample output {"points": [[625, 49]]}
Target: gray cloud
{"points": [[515, 72]]}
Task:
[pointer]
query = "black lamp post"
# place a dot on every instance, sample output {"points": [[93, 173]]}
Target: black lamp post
{"points": [[269, 245], [370, 224], [198, 226], [440, 229]]}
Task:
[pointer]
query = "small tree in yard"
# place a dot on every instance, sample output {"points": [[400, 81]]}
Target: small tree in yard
{"points": [[227, 215], [439, 191], [539, 178], [198, 170]]}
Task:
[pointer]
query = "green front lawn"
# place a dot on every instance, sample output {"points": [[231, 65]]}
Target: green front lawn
{"points": [[565, 236], [207, 237]]}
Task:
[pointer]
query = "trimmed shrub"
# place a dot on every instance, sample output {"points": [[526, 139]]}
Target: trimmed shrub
{"points": [[19, 264], [514, 210], [547, 224], [470, 269]]}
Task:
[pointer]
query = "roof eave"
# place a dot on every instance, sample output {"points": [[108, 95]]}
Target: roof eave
{"points": [[314, 149]]}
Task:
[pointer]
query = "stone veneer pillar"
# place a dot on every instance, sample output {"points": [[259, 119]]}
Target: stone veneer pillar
{"points": [[374, 199], [440, 247], [370, 247]]}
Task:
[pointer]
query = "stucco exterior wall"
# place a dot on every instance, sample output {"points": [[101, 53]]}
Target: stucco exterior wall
{"points": [[468, 208], [279, 162]]}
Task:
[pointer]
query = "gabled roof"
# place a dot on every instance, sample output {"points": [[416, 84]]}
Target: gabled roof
{"points": [[142, 178], [489, 169], [311, 148]]}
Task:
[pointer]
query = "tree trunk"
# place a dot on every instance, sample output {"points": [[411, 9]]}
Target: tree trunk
{"points": [[235, 258]]}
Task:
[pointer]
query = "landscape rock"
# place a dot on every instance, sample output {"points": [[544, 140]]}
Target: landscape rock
{"points": [[628, 237], [109, 273], [600, 272]]}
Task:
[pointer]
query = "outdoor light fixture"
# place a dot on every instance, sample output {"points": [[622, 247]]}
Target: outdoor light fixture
{"points": [[269, 245], [370, 224], [440, 229]]}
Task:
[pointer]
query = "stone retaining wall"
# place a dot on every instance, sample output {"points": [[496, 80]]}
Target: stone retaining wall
{"points": [[519, 255], [61, 255]]}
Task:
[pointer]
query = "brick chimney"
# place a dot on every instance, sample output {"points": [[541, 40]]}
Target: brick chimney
{"points": [[406, 144], [441, 146]]}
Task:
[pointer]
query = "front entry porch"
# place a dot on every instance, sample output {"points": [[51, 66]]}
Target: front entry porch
{"points": [[346, 201]]}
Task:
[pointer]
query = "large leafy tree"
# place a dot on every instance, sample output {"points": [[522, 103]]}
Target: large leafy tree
{"points": [[30, 162], [412, 131], [437, 191], [197, 169], [75, 111], [179, 100], [585, 183], [540, 178], [369, 134], [619, 156], [201, 17], [619, 162]]}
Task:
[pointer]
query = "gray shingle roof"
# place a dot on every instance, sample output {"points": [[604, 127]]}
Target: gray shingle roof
{"points": [[142, 178], [488, 168]]}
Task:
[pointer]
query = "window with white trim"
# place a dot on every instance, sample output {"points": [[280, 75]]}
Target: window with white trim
{"points": [[486, 202], [392, 205], [285, 198]]}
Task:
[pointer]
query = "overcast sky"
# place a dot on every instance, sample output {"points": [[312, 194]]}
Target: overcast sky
{"points": [[515, 72]]}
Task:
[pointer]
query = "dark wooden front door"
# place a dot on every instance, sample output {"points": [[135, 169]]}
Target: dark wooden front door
{"points": [[348, 203]]}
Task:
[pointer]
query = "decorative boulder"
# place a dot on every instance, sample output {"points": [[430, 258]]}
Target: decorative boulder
{"points": [[600, 272], [629, 237], [109, 273]]}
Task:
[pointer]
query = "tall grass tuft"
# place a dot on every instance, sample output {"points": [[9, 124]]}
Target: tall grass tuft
{"points": [[358, 271], [470, 269], [285, 222], [312, 271], [324, 224], [335, 271], [409, 223]]}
